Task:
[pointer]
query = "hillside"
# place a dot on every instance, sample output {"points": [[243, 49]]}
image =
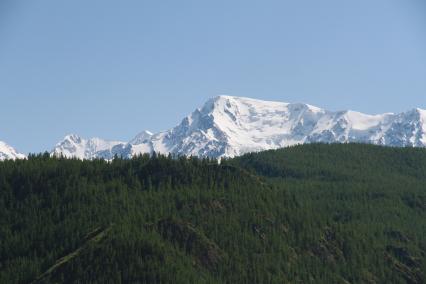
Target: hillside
{"points": [[340, 213]]}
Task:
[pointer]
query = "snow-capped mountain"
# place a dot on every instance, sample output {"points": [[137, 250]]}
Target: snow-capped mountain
{"points": [[9, 153], [77, 147], [230, 126]]}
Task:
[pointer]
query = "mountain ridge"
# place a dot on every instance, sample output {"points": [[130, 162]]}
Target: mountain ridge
{"points": [[228, 126]]}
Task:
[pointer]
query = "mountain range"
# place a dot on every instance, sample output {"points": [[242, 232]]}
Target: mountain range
{"points": [[227, 126]]}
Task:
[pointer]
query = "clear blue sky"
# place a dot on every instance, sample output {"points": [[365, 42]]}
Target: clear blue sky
{"points": [[113, 68]]}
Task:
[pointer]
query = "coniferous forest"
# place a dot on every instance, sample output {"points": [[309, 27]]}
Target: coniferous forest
{"points": [[339, 213]]}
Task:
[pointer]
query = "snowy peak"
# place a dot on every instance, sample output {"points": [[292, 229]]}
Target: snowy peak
{"points": [[407, 129], [234, 125], [9, 153], [141, 137], [245, 112], [73, 146]]}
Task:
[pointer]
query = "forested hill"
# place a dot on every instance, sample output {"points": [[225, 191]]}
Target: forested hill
{"points": [[341, 213]]}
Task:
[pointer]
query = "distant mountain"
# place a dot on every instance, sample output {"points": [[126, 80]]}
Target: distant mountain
{"points": [[231, 126], [75, 146], [9, 153]]}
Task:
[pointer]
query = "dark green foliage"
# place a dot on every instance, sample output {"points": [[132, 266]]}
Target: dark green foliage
{"points": [[309, 214]]}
